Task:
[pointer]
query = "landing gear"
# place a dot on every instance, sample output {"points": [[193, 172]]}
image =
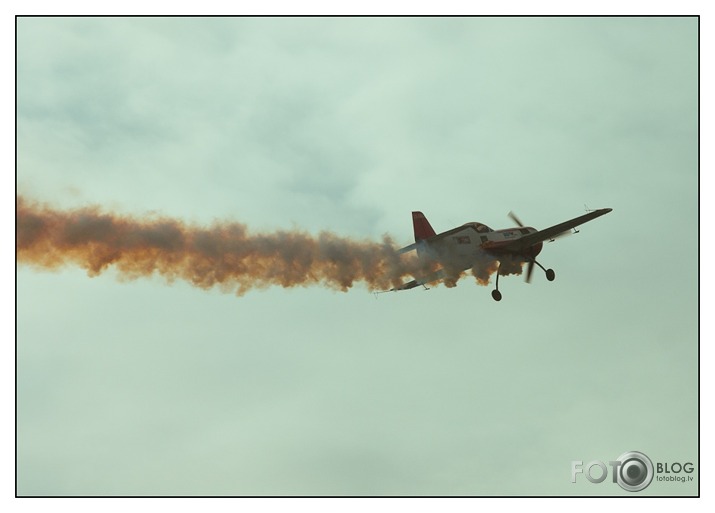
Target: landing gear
{"points": [[496, 295], [550, 274]]}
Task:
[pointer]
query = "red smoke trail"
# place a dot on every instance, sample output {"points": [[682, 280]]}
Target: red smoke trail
{"points": [[224, 254]]}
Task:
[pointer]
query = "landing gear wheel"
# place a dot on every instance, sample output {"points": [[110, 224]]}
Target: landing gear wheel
{"points": [[550, 274], [496, 295]]}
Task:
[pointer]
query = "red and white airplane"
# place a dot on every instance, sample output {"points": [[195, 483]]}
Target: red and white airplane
{"points": [[466, 246]]}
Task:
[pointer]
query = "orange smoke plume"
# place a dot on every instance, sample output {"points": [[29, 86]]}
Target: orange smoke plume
{"points": [[225, 254]]}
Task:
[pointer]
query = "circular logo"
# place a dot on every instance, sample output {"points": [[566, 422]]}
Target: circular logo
{"points": [[635, 472]]}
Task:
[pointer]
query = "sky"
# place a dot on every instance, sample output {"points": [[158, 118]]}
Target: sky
{"points": [[143, 387]]}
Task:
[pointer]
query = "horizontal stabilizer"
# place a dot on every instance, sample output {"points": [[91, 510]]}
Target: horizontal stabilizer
{"points": [[406, 249]]}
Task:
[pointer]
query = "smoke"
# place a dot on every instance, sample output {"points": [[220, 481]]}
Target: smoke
{"points": [[487, 266], [224, 254], [482, 270]]}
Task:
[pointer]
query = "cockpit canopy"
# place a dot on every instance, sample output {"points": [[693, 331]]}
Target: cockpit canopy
{"points": [[481, 228]]}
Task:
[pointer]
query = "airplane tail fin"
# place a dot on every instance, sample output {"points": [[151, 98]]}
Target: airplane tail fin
{"points": [[423, 230]]}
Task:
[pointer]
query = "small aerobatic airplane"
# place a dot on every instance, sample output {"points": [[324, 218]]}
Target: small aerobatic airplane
{"points": [[463, 247]]}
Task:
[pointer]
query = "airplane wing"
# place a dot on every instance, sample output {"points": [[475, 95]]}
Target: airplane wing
{"points": [[549, 233], [437, 275]]}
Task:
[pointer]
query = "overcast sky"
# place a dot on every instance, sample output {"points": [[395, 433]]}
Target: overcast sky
{"points": [[348, 125]]}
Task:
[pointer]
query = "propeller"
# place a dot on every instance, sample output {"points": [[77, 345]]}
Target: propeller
{"points": [[513, 217], [529, 270]]}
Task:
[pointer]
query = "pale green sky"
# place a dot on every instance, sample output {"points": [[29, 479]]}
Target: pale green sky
{"points": [[145, 388]]}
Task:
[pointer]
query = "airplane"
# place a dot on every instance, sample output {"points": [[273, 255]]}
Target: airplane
{"points": [[463, 247]]}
